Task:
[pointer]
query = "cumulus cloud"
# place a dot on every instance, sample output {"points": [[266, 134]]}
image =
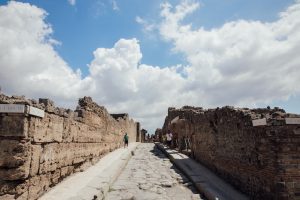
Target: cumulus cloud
{"points": [[29, 64], [240, 63], [124, 85]]}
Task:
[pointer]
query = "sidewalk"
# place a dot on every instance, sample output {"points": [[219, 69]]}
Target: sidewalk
{"points": [[204, 180], [94, 182]]}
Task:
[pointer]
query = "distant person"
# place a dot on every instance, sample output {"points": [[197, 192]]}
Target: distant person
{"points": [[126, 139], [169, 138]]}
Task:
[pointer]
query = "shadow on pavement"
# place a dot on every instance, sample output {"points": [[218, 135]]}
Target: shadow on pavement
{"points": [[184, 181]]}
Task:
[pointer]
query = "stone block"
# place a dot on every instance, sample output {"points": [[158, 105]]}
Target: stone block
{"points": [[66, 171], [13, 187], [47, 129], [15, 125], [49, 158], [14, 159], [38, 185], [36, 151], [55, 177], [7, 197], [21, 172], [94, 120], [71, 129]]}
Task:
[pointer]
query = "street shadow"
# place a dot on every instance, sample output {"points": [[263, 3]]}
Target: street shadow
{"points": [[184, 180]]}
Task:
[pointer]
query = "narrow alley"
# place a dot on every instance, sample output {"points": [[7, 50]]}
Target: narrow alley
{"points": [[149, 174]]}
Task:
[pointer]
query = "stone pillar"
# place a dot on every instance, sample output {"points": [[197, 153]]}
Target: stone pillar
{"points": [[138, 132]]}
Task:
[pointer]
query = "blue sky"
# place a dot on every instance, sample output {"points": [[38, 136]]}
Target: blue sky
{"points": [[207, 48], [90, 24]]}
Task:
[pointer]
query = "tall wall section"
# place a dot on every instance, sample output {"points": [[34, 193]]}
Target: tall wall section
{"points": [[257, 150], [38, 152]]}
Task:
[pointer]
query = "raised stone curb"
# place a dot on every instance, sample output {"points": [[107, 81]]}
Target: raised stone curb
{"points": [[93, 183], [209, 184]]}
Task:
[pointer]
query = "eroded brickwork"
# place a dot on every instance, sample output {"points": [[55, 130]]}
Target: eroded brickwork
{"points": [[37, 153], [262, 161]]}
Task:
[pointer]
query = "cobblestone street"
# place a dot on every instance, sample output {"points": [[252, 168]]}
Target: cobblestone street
{"points": [[148, 175]]}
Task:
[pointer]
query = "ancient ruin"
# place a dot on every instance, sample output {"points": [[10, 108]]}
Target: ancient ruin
{"points": [[256, 150], [41, 144]]}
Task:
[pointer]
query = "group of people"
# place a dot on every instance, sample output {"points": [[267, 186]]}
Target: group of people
{"points": [[169, 138]]}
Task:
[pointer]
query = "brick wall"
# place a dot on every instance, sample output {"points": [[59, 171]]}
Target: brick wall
{"points": [[37, 153], [262, 161]]}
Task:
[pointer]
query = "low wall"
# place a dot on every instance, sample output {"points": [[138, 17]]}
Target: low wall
{"points": [[258, 150], [38, 152]]}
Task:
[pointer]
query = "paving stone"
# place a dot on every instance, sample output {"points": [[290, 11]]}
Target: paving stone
{"points": [[150, 175]]}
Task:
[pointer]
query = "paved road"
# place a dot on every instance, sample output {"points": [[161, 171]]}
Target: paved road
{"points": [[150, 175]]}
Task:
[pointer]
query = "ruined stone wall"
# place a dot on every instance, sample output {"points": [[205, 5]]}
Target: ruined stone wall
{"points": [[36, 153], [258, 151]]}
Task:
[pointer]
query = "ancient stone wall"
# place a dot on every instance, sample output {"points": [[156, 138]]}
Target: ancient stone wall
{"points": [[257, 150], [38, 152]]}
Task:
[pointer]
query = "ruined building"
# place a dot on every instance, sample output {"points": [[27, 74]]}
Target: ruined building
{"points": [[256, 150], [41, 144]]}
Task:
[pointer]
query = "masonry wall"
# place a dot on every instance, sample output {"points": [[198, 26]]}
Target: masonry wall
{"points": [[262, 161], [37, 153]]}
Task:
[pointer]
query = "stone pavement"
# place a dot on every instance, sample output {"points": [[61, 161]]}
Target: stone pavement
{"points": [[150, 175], [205, 180], [94, 182]]}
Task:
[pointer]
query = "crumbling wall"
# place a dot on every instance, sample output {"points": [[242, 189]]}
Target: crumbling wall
{"points": [[257, 150], [38, 152]]}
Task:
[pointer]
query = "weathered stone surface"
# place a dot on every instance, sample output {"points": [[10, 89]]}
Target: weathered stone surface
{"points": [[13, 187], [14, 159], [13, 153], [253, 158], [53, 147], [15, 125], [38, 185], [18, 173], [36, 151], [47, 129], [75, 131], [150, 175], [48, 105], [66, 171]]}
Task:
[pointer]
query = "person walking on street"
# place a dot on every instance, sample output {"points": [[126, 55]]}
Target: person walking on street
{"points": [[126, 138], [169, 138]]}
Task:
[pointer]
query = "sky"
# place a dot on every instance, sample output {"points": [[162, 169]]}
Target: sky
{"points": [[141, 57]]}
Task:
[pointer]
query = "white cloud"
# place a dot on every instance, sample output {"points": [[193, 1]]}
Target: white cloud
{"points": [[147, 27], [29, 64], [125, 86], [72, 2], [240, 63]]}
